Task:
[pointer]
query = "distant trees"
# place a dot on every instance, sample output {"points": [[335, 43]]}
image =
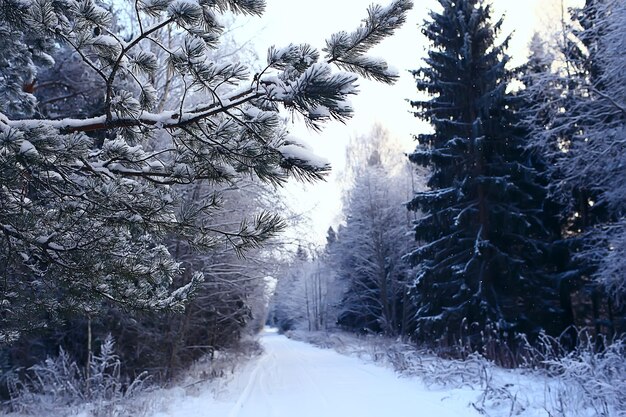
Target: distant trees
{"points": [[289, 301], [520, 229], [308, 291], [484, 243], [369, 248], [359, 281]]}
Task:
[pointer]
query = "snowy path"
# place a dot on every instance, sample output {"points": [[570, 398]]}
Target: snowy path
{"points": [[294, 379]]}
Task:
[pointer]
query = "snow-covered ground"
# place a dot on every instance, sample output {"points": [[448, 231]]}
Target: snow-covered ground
{"points": [[295, 379], [343, 375]]}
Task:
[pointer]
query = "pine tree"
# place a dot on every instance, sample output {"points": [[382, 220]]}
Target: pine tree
{"points": [[85, 219], [483, 245]]}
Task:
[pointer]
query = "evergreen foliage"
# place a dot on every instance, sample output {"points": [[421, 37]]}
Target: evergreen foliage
{"points": [[88, 202], [484, 245], [559, 108]]}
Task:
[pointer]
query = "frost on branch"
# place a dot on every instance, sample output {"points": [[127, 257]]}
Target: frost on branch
{"points": [[578, 119], [88, 197]]}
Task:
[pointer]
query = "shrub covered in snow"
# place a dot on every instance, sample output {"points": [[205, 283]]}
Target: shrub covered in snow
{"points": [[59, 386], [590, 378]]}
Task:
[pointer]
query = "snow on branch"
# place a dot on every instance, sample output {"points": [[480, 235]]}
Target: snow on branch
{"points": [[318, 94], [297, 153], [250, 7]]}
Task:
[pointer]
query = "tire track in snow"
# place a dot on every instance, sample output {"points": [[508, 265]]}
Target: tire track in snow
{"points": [[264, 386], [293, 379], [245, 394], [305, 365]]}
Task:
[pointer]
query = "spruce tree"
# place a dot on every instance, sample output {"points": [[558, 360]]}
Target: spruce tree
{"points": [[483, 245], [567, 272]]}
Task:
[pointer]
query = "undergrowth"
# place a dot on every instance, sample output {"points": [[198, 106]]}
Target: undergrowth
{"points": [[59, 387]]}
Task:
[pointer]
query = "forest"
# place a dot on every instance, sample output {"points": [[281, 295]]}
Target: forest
{"points": [[144, 150]]}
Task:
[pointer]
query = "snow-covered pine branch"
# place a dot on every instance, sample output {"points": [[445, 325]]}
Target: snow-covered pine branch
{"points": [[348, 50], [88, 196]]}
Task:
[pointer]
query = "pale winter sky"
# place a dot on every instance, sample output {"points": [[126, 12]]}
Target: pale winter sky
{"points": [[296, 21]]}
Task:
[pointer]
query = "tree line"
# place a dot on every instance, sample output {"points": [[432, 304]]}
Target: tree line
{"points": [[517, 231]]}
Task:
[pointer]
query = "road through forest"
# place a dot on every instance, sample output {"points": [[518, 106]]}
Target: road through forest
{"points": [[295, 379]]}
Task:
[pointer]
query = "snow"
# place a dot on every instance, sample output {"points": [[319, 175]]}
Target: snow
{"points": [[50, 176], [59, 124], [9, 229], [28, 149], [153, 166], [319, 112], [392, 71], [106, 40], [344, 105], [281, 54], [184, 8], [294, 140], [43, 239], [296, 379], [299, 153]]}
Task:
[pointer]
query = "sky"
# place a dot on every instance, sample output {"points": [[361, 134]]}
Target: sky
{"points": [[296, 21]]}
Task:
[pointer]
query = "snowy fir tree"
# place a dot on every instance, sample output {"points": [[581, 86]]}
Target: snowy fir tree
{"points": [[87, 202], [483, 254], [568, 273]]}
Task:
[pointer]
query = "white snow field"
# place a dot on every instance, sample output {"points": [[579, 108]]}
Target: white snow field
{"points": [[294, 379]]}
